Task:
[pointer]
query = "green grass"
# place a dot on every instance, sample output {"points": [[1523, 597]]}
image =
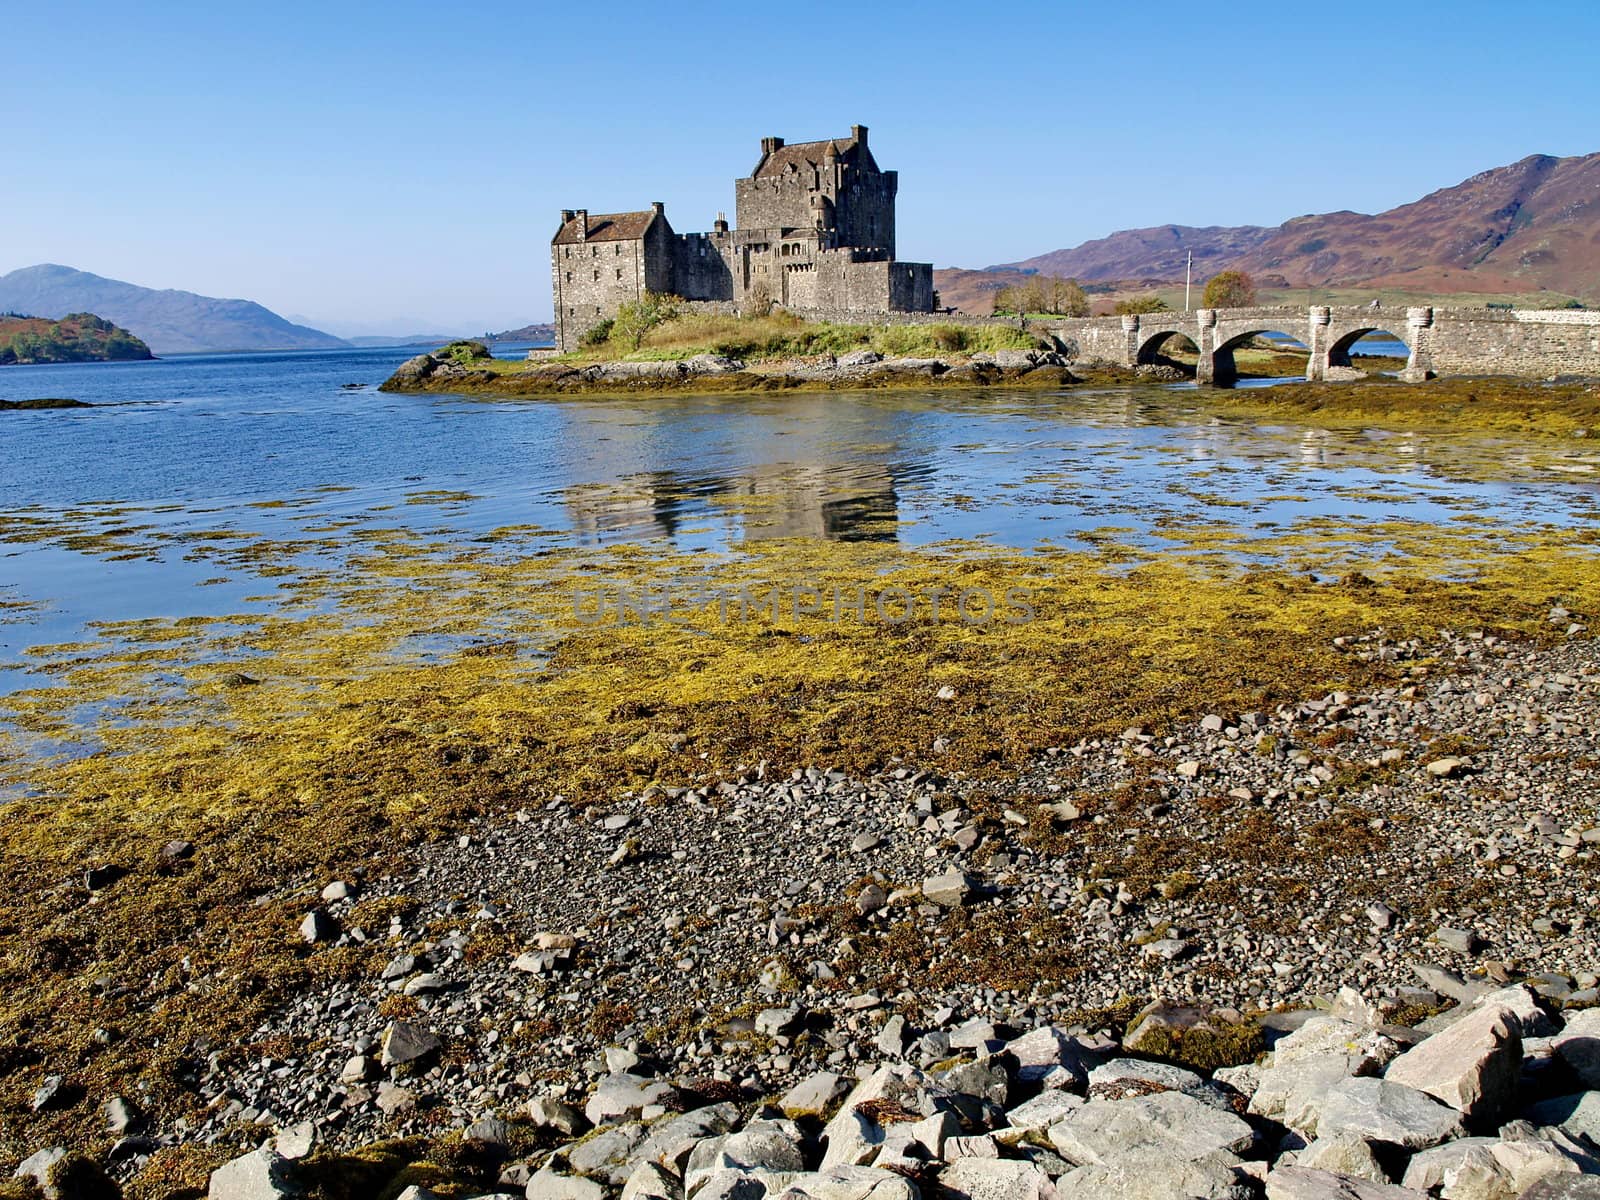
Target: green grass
{"points": [[784, 335]]}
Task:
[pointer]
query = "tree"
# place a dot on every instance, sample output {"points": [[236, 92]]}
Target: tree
{"points": [[1229, 289], [638, 317], [1140, 304], [1043, 294]]}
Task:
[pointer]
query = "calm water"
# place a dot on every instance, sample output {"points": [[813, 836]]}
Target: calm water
{"points": [[199, 444]]}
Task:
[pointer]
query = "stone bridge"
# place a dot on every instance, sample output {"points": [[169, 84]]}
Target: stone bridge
{"points": [[1440, 341]]}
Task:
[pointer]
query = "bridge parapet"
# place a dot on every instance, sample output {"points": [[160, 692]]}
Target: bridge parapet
{"points": [[1526, 342]]}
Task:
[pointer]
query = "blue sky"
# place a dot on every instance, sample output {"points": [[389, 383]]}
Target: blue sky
{"points": [[402, 165]]}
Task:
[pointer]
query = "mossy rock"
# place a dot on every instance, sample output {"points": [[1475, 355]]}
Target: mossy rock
{"points": [[1199, 1038]]}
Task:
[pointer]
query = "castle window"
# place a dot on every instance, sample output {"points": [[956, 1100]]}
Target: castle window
{"points": [[619, 249], [597, 272], [619, 272], [566, 252], [569, 276]]}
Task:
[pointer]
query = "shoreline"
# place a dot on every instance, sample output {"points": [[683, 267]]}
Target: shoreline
{"points": [[306, 851], [920, 895], [1566, 407]]}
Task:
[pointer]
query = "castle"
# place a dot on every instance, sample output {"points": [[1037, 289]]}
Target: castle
{"points": [[815, 231]]}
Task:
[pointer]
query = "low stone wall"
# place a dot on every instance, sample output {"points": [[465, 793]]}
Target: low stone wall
{"points": [[1527, 342]]}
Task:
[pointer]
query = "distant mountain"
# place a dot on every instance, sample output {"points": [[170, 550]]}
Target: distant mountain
{"points": [[1528, 227], [77, 337], [416, 339], [170, 322], [526, 333], [1156, 253]]}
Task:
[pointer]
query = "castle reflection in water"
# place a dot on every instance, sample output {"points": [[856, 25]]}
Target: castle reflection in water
{"points": [[857, 503]]}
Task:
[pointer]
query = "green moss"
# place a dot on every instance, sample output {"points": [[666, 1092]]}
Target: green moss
{"points": [[1204, 1047], [1500, 405]]}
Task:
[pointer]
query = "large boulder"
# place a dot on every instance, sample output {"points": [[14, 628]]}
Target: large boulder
{"points": [[673, 1139], [609, 1154], [1383, 1111], [1044, 1110], [1303, 1183], [1049, 1056], [770, 1147], [1472, 1066], [1118, 1078], [1343, 1154], [1169, 1125], [1577, 1115], [623, 1096], [1578, 1044], [260, 1175], [995, 1179], [849, 1183], [652, 1181], [1155, 1179], [1491, 1168], [551, 1184], [1305, 1064], [854, 1135], [813, 1096]]}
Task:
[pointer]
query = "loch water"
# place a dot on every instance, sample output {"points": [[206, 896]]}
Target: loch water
{"points": [[274, 445]]}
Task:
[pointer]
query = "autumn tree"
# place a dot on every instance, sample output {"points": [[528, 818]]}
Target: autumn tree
{"points": [[1043, 294], [1229, 289]]}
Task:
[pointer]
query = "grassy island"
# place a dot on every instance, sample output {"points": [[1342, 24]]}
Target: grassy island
{"points": [[79, 337]]}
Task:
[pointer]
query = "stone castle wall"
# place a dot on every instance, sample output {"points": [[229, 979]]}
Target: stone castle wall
{"points": [[810, 234]]}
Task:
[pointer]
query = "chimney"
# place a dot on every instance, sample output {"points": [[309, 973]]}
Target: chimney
{"points": [[859, 134], [566, 217], [720, 225], [769, 144], [582, 216], [658, 208]]}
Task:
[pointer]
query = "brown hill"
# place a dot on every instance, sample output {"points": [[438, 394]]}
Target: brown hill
{"points": [[1156, 253], [1528, 227], [1531, 226]]}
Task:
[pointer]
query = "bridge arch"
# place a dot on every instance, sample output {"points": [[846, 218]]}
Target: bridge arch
{"points": [[1167, 347], [1342, 342], [1232, 335]]}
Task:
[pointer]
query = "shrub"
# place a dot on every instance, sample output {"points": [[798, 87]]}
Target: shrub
{"points": [[638, 317], [1229, 289], [596, 335], [1140, 304], [947, 337]]}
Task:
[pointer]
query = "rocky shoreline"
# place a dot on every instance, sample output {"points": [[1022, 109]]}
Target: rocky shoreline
{"points": [[442, 372], [1058, 984]]}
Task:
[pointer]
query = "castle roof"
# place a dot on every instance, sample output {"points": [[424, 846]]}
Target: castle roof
{"points": [[606, 227], [805, 156]]}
